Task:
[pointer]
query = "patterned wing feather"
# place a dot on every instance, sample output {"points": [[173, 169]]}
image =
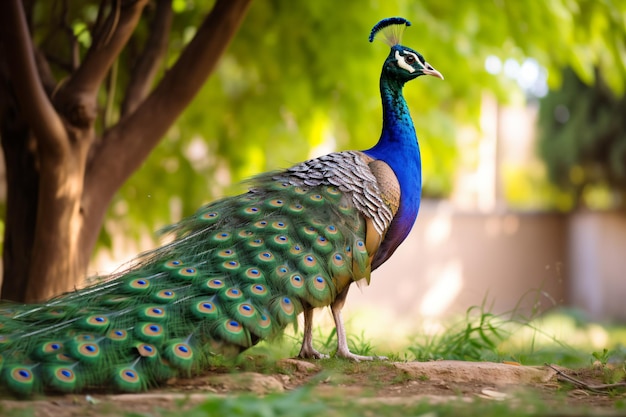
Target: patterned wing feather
{"points": [[237, 271]]}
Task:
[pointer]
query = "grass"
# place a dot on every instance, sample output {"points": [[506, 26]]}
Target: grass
{"points": [[563, 337], [478, 335], [303, 403]]}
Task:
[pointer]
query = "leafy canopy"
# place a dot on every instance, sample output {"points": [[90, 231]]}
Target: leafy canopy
{"points": [[301, 79]]}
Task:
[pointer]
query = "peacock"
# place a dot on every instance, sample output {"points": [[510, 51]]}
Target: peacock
{"points": [[237, 271]]}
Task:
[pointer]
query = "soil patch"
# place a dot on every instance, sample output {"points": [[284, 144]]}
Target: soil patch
{"points": [[384, 382]]}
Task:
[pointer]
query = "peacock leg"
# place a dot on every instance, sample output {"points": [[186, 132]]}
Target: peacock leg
{"points": [[342, 342], [307, 351]]}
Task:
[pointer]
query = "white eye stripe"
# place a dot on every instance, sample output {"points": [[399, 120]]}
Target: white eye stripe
{"points": [[416, 58], [402, 61]]}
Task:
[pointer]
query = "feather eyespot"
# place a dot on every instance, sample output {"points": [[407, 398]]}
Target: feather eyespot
{"points": [[176, 263], [281, 270], [296, 281], [260, 224], [117, 335], [231, 265], [65, 375], [164, 295], [52, 347], [205, 309], [221, 236], [233, 326], [128, 375], [253, 273], [215, 284], [187, 272], [226, 253], [182, 348], [277, 202], [89, 349], [210, 217], [246, 310], [22, 375], [295, 249], [321, 241], [265, 256], [309, 261], [146, 350], [97, 321], [258, 289], [279, 225], [264, 321], [150, 331], [139, 283], [181, 351], [281, 239], [287, 306], [319, 283], [233, 293], [255, 243]]}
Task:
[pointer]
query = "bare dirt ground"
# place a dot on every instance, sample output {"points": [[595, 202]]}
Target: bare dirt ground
{"points": [[384, 382]]}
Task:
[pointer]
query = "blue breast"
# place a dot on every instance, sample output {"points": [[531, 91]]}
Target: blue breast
{"points": [[398, 147]]}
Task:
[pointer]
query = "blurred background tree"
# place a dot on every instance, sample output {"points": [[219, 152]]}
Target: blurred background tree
{"points": [[300, 79], [583, 141]]}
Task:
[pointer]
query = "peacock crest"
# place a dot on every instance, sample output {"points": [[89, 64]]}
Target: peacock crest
{"points": [[391, 30]]}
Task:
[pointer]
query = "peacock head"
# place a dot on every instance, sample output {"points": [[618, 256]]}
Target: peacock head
{"points": [[403, 63]]}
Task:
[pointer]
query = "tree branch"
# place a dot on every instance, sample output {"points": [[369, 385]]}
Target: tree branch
{"points": [[125, 146], [145, 70], [33, 101], [106, 46], [45, 73]]}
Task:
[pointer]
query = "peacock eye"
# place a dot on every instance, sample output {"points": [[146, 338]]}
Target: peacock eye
{"points": [[409, 59]]}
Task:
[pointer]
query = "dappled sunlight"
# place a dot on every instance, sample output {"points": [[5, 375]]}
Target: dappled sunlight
{"points": [[438, 230], [446, 284], [197, 153], [321, 135], [563, 331]]}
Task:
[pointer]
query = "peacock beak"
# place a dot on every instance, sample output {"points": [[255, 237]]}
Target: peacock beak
{"points": [[429, 70]]}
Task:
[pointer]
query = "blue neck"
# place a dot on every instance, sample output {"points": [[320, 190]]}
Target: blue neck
{"points": [[398, 147]]}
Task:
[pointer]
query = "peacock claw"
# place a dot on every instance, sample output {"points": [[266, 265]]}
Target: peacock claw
{"points": [[311, 354]]}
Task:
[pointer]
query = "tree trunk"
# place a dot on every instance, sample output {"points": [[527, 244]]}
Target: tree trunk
{"points": [[21, 210], [60, 177], [56, 258]]}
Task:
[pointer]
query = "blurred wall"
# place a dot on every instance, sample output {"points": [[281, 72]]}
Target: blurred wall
{"points": [[597, 248], [522, 262], [454, 260]]}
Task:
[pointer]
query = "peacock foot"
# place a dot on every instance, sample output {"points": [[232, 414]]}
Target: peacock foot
{"points": [[310, 353], [346, 354]]}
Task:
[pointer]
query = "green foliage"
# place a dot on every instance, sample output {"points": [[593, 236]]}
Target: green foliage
{"points": [[583, 141], [602, 357], [297, 403], [305, 402], [474, 338], [301, 79], [612, 363]]}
